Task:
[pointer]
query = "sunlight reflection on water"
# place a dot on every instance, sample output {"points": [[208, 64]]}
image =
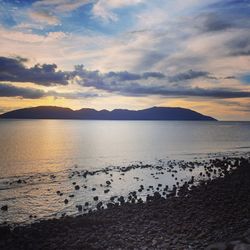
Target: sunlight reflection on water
{"points": [[34, 151]]}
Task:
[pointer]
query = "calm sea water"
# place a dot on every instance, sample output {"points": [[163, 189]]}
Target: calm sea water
{"points": [[40, 157]]}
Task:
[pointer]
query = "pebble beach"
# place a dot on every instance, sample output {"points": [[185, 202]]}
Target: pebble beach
{"points": [[190, 216]]}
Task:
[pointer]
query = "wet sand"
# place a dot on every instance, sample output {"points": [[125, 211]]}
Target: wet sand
{"points": [[215, 210]]}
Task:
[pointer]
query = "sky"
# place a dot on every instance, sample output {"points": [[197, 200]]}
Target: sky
{"points": [[131, 54]]}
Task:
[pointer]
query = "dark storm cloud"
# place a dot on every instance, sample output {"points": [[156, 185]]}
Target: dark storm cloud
{"points": [[8, 90], [96, 77], [127, 76], [118, 76], [188, 75], [14, 70], [224, 15], [213, 22], [140, 90], [158, 75], [114, 83]]}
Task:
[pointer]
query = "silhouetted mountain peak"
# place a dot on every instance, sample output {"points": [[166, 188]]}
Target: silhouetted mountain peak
{"points": [[154, 113]]}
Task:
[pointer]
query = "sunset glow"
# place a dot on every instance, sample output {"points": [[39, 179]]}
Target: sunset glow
{"points": [[134, 54]]}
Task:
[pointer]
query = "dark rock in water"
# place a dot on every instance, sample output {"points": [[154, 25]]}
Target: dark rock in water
{"points": [[71, 195], [108, 183], [93, 189], [58, 192], [4, 208], [99, 204], [106, 191], [79, 207], [157, 195], [77, 187], [66, 201], [121, 199], [95, 198], [140, 201], [19, 181], [86, 204], [74, 183]]}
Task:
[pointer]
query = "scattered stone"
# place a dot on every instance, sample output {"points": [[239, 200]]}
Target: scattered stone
{"points": [[4, 208], [79, 207]]}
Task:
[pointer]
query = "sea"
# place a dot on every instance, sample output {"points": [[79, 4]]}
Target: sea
{"points": [[55, 168]]}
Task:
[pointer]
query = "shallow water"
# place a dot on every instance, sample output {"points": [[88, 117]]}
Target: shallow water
{"points": [[40, 157]]}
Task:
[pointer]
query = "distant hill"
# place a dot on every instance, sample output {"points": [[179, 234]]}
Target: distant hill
{"points": [[155, 113]]}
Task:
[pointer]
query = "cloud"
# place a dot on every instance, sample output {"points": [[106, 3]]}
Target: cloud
{"points": [[104, 8], [14, 70], [8, 90], [188, 75], [126, 84], [49, 10], [213, 22], [239, 46], [111, 76], [72, 95], [61, 5], [127, 76], [44, 16]]}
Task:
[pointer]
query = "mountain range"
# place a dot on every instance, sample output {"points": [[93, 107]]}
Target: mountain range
{"points": [[154, 113]]}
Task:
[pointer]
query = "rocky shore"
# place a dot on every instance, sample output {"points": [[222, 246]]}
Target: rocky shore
{"points": [[217, 210]]}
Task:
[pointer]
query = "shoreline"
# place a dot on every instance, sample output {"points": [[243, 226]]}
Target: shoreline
{"points": [[215, 210]]}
